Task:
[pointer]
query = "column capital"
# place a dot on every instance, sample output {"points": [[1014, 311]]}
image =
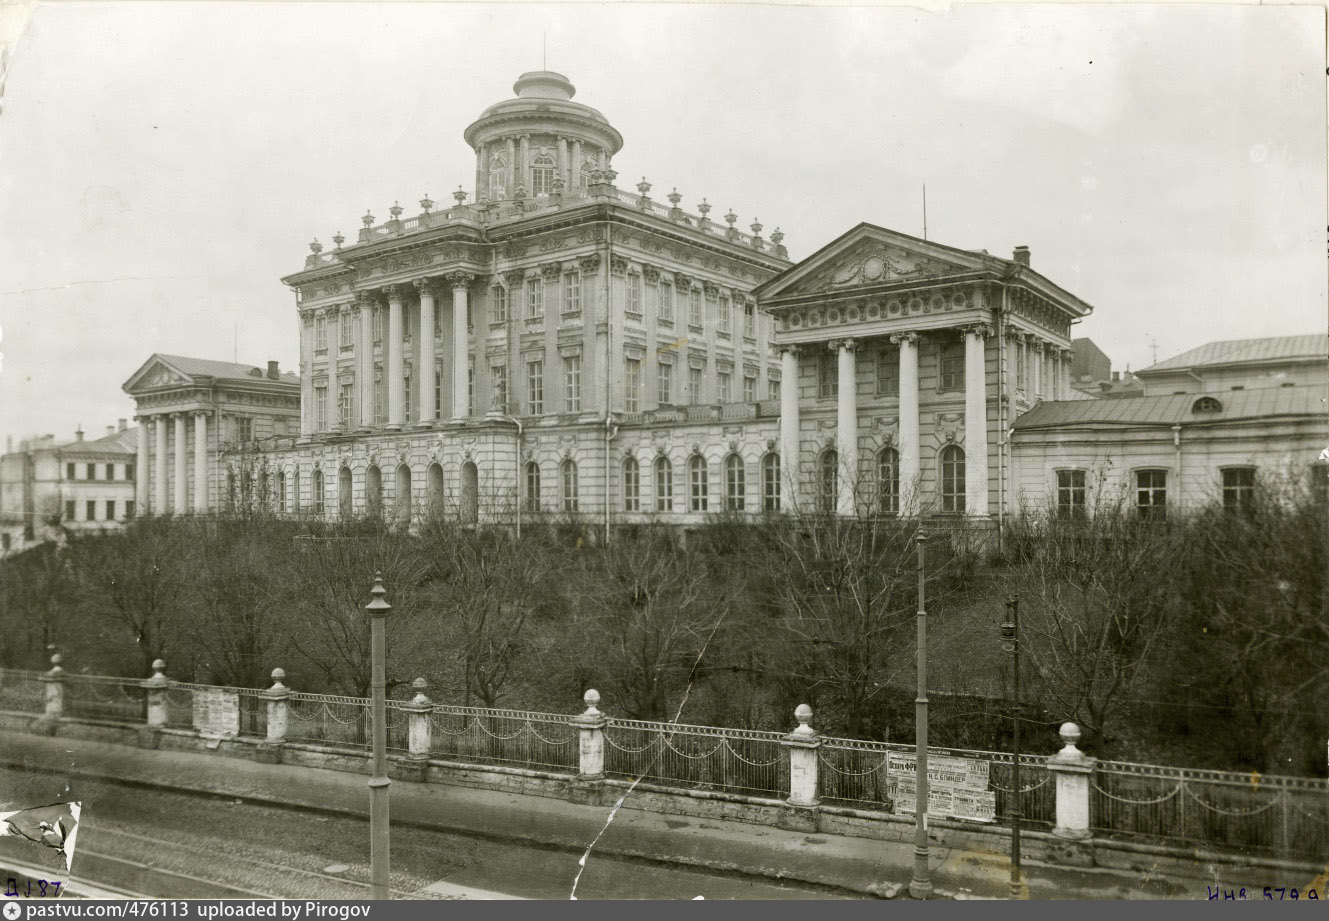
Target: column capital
{"points": [[682, 282], [366, 299], [1038, 344], [1015, 333], [981, 330], [307, 316], [791, 349], [200, 412], [849, 345], [460, 280], [514, 277], [909, 336], [393, 292], [429, 286]]}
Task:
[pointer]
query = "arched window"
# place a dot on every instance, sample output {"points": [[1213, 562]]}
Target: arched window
{"points": [[295, 490], [951, 464], [697, 483], [664, 485], [532, 487], [1207, 405], [542, 175], [374, 492], [828, 479], [631, 485], [230, 490], [281, 492], [317, 489], [470, 493], [735, 484], [568, 476], [888, 480], [498, 178], [344, 493], [586, 174], [770, 482]]}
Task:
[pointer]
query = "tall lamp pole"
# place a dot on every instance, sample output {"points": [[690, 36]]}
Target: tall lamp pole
{"points": [[920, 887], [1010, 641], [378, 783]]}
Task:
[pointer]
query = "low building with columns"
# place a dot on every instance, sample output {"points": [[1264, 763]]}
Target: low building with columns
{"points": [[558, 345], [191, 411], [904, 363]]}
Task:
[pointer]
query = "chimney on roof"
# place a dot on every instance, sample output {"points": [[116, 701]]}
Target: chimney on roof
{"points": [[123, 424], [78, 435], [1021, 255], [273, 372], [110, 430], [1116, 376]]}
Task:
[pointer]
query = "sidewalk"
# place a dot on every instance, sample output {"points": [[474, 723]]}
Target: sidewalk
{"points": [[861, 865]]}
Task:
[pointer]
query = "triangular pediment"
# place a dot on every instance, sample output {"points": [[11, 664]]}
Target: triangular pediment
{"points": [[156, 372], [870, 255]]}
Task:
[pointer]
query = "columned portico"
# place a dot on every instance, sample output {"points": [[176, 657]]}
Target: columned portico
{"points": [[424, 359], [789, 437], [976, 420], [181, 464], [907, 444], [846, 425], [460, 282], [159, 497], [392, 345], [141, 467], [200, 462]]}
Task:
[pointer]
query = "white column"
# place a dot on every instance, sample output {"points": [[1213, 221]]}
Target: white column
{"points": [[364, 361], [1035, 370], [975, 421], [574, 168], [563, 162], [306, 374], [424, 358], [460, 282], [159, 474], [524, 176], [141, 468], [392, 346], [200, 462], [512, 168], [846, 426], [789, 446], [908, 445], [181, 464]]}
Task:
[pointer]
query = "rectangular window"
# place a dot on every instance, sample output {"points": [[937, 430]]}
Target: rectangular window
{"points": [[694, 386], [572, 383], [320, 334], [1239, 489], [320, 409], [726, 313], [828, 377], [500, 299], [632, 385], [535, 387], [888, 372], [694, 307], [69, 472], [572, 292], [634, 293], [664, 384], [406, 414], [631, 486], [129, 471], [749, 319], [1020, 366], [723, 384], [110, 510], [438, 394], [749, 389], [244, 429], [666, 301], [69, 510], [380, 405], [346, 339], [344, 405], [438, 322], [951, 370], [772, 389], [1070, 494], [92, 471], [470, 386], [1151, 494], [129, 508], [498, 377], [664, 486], [378, 324], [535, 299], [91, 509]]}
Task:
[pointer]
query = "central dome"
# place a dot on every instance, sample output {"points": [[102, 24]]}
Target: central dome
{"points": [[523, 144]]}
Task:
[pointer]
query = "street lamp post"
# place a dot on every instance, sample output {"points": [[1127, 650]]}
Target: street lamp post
{"points": [[378, 783], [1010, 641], [920, 887]]}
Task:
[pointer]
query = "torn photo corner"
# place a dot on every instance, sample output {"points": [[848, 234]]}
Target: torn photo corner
{"points": [[54, 826]]}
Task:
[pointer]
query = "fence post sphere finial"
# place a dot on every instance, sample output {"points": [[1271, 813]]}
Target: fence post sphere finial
{"points": [[278, 676], [420, 685], [803, 713], [1070, 734], [592, 700], [158, 668]]}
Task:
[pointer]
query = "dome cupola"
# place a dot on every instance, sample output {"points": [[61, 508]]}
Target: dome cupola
{"points": [[523, 145]]}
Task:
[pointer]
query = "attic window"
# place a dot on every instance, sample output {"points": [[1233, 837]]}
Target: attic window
{"points": [[1207, 405], [255, 372]]}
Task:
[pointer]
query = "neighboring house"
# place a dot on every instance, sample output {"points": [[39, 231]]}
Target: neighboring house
{"points": [[1163, 454], [79, 485], [193, 410], [1241, 364], [1089, 363]]}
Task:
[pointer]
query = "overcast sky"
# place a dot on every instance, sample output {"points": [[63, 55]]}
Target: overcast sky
{"points": [[163, 164]]}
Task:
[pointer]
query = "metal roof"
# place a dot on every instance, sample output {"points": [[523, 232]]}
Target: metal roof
{"points": [[1179, 408], [1310, 347], [125, 442], [223, 370]]}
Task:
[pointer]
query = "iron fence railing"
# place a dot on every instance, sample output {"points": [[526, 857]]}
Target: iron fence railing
{"points": [[547, 741], [100, 697], [21, 690], [740, 760]]}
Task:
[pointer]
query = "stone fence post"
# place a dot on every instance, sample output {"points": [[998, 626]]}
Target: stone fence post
{"points": [[155, 688], [1073, 770], [419, 730], [278, 708], [53, 696], [803, 744], [589, 786]]}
